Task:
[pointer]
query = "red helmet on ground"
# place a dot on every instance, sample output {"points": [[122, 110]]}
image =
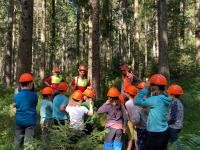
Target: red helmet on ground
{"points": [[77, 95], [47, 91], [124, 67], [82, 68], [140, 85], [158, 79], [25, 77], [132, 90], [62, 86], [89, 93], [121, 99], [56, 70], [113, 92], [175, 89]]}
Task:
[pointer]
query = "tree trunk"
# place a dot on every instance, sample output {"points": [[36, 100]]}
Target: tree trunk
{"points": [[78, 33], [25, 41], [9, 48], [42, 36], [162, 38], [84, 33], [136, 37], [90, 47], [53, 34], [182, 28], [94, 56], [145, 47], [198, 31], [123, 29]]}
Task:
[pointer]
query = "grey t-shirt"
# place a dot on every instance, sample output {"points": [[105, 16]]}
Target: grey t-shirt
{"points": [[137, 115]]}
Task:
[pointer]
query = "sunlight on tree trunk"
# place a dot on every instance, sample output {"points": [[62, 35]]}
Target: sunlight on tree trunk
{"points": [[42, 36], [198, 31], [136, 37], [163, 39]]}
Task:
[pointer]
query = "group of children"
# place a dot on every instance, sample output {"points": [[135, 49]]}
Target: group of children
{"points": [[148, 112], [153, 114]]}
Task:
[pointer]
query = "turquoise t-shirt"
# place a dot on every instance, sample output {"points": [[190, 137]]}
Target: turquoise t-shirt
{"points": [[46, 110], [59, 100], [159, 109]]}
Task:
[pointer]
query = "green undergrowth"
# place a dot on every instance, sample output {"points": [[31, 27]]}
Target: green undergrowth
{"points": [[189, 136]]}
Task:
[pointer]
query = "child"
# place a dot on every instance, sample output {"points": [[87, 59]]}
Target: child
{"points": [[76, 111], [138, 118], [81, 82], [130, 92], [176, 112], [59, 102], [159, 103], [46, 110], [89, 95], [116, 120], [25, 102]]}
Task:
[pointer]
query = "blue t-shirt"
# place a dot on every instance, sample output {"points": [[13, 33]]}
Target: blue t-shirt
{"points": [[59, 100], [46, 110], [26, 102], [158, 113]]}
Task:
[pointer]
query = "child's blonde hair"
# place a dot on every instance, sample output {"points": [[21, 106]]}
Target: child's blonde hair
{"points": [[72, 102]]}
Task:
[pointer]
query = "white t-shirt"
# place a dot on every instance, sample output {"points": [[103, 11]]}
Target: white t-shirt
{"points": [[76, 114]]}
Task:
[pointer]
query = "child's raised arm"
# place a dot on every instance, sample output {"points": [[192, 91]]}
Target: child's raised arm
{"points": [[104, 108]]}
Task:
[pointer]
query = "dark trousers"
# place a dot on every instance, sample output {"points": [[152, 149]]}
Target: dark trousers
{"points": [[59, 122], [22, 135], [45, 125], [174, 134], [157, 140], [141, 138]]}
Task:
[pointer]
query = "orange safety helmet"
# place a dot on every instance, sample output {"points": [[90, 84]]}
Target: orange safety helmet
{"points": [[47, 91], [158, 79], [140, 85], [56, 70], [25, 77], [113, 92], [82, 68], [62, 86], [77, 95], [89, 93], [175, 89], [121, 99], [132, 90]]}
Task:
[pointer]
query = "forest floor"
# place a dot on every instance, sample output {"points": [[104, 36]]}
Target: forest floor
{"points": [[189, 137]]}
